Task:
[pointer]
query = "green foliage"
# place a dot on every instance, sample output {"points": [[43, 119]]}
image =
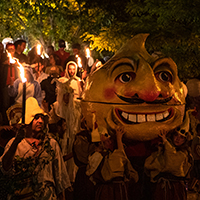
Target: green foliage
{"points": [[174, 25], [25, 173], [174, 28]]}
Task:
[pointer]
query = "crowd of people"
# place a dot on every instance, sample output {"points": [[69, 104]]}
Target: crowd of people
{"points": [[54, 155], [53, 88]]}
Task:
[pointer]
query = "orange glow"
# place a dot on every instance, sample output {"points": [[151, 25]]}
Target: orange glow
{"points": [[22, 74], [11, 59], [39, 49], [87, 52], [79, 61]]}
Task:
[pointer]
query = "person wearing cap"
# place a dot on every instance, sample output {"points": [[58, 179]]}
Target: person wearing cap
{"points": [[109, 166], [63, 55], [33, 142], [7, 132], [170, 165], [8, 74]]}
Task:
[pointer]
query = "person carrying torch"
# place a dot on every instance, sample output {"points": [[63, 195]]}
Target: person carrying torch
{"points": [[47, 177], [39, 52], [12, 70], [80, 67], [76, 48], [90, 60], [8, 75], [33, 88]]}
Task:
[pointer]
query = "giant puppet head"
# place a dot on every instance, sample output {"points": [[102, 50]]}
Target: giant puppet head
{"points": [[138, 91]]}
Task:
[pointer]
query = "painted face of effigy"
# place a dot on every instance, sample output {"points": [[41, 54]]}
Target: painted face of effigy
{"points": [[135, 90]]}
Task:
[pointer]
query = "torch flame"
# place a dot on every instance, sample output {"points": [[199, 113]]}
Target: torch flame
{"points": [[22, 74], [79, 61], [39, 49], [11, 59], [87, 52], [21, 68]]}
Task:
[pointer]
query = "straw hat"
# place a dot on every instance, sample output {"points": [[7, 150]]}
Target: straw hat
{"points": [[14, 114]]}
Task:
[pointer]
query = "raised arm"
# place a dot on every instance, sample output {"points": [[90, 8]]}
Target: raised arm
{"points": [[7, 159], [119, 134]]}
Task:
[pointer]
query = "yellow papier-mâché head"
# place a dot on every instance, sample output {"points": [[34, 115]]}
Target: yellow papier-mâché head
{"points": [[138, 91]]}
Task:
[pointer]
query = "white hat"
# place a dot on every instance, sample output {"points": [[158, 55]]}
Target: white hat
{"points": [[32, 108], [98, 133]]}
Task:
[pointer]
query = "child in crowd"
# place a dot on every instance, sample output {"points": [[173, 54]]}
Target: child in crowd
{"points": [[108, 167], [169, 167]]}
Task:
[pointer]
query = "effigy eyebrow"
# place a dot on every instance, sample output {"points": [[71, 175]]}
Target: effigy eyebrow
{"points": [[164, 64], [120, 64]]}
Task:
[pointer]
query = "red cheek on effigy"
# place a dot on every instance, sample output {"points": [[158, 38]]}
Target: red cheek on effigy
{"points": [[109, 93]]}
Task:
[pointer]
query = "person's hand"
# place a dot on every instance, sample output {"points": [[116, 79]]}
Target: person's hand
{"points": [[6, 128], [45, 106], [84, 74], [21, 133], [99, 148], [119, 131], [163, 134], [82, 85], [34, 66], [97, 60], [12, 81], [70, 189], [7, 62]]}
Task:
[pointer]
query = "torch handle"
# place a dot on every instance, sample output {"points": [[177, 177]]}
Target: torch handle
{"points": [[10, 70], [38, 67], [24, 102]]}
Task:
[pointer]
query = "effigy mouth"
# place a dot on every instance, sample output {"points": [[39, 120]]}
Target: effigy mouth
{"points": [[136, 118], [136, 100]]}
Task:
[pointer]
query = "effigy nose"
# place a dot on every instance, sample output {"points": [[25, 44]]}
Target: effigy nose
{"points": [[149, 94]]}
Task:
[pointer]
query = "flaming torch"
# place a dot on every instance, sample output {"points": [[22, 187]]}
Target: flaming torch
{"points": [[79, 61], [11, 61], [87, 50], [79, 64], [39, 51], [22, 74], [90, 60]]}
